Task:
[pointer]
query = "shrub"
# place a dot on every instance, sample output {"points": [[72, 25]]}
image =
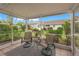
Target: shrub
{"points": [[58, 31], [35, 29]]}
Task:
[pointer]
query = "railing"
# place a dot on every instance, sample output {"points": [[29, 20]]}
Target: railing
{"points": [[65, 40]]}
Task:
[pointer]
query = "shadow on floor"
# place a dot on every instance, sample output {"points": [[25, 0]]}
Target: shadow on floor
{"points": [[34, 50]]}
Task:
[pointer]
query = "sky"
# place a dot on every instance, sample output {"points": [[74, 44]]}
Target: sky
{"points": [[3, 16], [56, 17], [48, 18], [15, 20]]}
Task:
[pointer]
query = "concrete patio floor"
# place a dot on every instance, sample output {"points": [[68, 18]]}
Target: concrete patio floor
{"points": [[18, 50]]}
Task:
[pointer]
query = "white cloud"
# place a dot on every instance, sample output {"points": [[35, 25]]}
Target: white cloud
{"points": [[19, 19], [36, 19]]}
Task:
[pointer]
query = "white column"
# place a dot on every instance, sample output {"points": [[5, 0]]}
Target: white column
{"points": [[72, 32], [11, 24], [12, 35], [26, 25]]}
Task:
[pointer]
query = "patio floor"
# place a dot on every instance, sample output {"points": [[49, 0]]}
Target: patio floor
{"points": [[18, 50]]}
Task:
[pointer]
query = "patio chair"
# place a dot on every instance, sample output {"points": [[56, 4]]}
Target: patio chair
{"points": [[27, 39], [50, 49]]}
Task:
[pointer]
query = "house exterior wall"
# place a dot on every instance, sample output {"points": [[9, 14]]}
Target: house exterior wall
{"points": [[56, 26]]}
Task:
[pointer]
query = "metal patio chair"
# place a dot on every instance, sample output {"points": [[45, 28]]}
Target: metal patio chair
{"points": [[27, 39], [50, 49]]}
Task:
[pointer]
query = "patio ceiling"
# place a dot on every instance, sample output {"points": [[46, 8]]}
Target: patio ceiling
{"points": [[35, 10]]}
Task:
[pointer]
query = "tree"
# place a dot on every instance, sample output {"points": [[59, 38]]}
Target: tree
{"points": [[10, 20], [66, 27], [21, 25]]}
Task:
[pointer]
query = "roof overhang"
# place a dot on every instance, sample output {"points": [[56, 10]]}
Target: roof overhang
{"points": [[35, 10]]}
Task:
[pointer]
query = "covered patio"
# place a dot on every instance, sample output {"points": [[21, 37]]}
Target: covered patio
{"points": [[18, 50], [31, 11]]}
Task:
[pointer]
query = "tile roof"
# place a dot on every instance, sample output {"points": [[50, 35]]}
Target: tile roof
{"points": [[58, 22]]}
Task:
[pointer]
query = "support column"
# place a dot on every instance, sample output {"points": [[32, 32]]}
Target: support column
{"points": [[12, 35], [11, 24], [26, 25], [72, 32], [25, 28]]}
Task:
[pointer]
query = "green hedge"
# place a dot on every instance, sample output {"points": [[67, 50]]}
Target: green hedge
{"points": [[6, 33], [5, 37]]}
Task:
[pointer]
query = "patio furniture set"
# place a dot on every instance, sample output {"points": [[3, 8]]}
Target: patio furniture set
{"points": [[48, 47]]}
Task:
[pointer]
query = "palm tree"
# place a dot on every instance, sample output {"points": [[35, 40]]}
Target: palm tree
{"points": [[66, 28]]}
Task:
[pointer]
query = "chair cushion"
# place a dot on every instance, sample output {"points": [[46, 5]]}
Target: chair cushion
{"points": [[27, 44]]}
